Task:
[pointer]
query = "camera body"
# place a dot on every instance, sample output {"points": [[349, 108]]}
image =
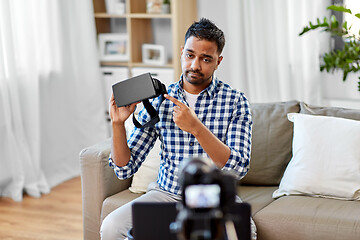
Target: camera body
{"points": [[208, 194]]}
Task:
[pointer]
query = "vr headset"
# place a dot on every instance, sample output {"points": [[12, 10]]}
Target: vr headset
{"points": [[140, 88]]}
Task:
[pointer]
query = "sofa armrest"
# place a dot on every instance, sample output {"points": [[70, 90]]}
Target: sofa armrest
{"points": [[98, 181]]}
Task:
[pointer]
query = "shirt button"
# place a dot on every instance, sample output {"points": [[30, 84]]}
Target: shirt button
{"points": [[191, 144]]}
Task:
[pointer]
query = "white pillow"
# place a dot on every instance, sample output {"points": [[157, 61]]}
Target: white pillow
{"points": [[326, 158], [149, 169]]}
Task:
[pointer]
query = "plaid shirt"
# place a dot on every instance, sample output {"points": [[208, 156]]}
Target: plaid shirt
{"points": [[223, 110]]}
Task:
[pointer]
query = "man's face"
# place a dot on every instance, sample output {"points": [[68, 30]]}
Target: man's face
{"points": [[199, 60]]}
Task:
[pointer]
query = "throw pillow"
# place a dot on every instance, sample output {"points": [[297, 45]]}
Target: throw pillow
{"points": [[148, 171], [326, 158], [271, 142]]}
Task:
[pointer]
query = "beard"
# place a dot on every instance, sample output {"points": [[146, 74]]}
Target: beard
{"points": [[196, 77]]}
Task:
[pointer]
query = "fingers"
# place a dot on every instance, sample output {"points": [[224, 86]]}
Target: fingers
{"points": [[112, 99], [133, 105], [174, 100], [176, 111]]}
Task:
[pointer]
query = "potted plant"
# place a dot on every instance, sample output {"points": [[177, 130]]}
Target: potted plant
{"points": [[348, 58], [166, 6]]}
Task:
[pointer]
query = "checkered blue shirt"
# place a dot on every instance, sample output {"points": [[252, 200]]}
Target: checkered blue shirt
{"points": [[223, 110]]}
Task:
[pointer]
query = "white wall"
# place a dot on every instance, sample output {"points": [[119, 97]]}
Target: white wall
{"points": [[339, 93]]}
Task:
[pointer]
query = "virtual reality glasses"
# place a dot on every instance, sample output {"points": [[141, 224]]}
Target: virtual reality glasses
{"points": [[140, 88]]}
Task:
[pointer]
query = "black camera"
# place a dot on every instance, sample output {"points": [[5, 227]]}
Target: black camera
{"points": [[208, 209], [140, 88]]}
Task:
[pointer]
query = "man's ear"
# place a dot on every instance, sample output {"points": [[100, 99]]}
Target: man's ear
{"points": [[181, 50], [219, 61]]}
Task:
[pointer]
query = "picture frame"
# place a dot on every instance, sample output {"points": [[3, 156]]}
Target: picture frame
{"points": [[153, 54], [154, 6], [113, 47], [115, 7]]}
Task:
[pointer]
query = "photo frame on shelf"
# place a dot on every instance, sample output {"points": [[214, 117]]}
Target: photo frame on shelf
{"points": [[153, 54], [113, 47], [154, 6], [115, 7]]}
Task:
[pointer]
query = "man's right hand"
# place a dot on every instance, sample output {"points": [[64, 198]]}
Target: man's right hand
{"points": [[118, 115]]}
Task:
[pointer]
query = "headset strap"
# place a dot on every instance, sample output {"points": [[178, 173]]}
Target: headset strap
{"points": [[152, 112]]}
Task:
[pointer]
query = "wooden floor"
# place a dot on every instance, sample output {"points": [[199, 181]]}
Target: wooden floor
{"points": [[55, 216]]}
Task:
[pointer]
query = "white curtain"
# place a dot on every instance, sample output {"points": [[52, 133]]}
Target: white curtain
{"points": [[51, 103], [270, 61]]}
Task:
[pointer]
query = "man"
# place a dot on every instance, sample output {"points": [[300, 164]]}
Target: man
{"points": [[200, 117]]}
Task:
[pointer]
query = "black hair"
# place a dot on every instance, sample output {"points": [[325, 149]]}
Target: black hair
{"points": [[206, 30]]}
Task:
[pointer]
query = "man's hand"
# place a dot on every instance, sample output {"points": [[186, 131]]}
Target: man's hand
{"points": [[120, 114], [184, 117]]}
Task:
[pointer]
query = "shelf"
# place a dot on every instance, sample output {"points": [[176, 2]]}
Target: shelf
{"points": [[136, 64], [121, 64], [148, 15], [106, 15], [142, 27], [140, 64], [133, 15]]}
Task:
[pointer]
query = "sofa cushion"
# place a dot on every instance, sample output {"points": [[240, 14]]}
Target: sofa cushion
{"points": [[330, 111], [257, 196], [326, 158], [309, 218], [117, 200], [271, 142]]}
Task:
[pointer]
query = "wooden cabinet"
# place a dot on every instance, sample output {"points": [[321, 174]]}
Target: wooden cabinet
{"points": [[139, 27]]}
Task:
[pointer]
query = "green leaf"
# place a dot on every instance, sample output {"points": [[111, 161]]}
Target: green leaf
{"points": [[325, 20], [306, 29], [334, 22], [357, 15], [311, 25], [345, 25], [339, 8], [333, 18]]}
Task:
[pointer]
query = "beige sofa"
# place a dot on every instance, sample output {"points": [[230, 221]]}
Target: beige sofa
{"points": [[295, 216]]}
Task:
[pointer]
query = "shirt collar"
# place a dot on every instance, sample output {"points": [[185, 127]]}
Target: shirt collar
{"points": [[210, 90]]}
